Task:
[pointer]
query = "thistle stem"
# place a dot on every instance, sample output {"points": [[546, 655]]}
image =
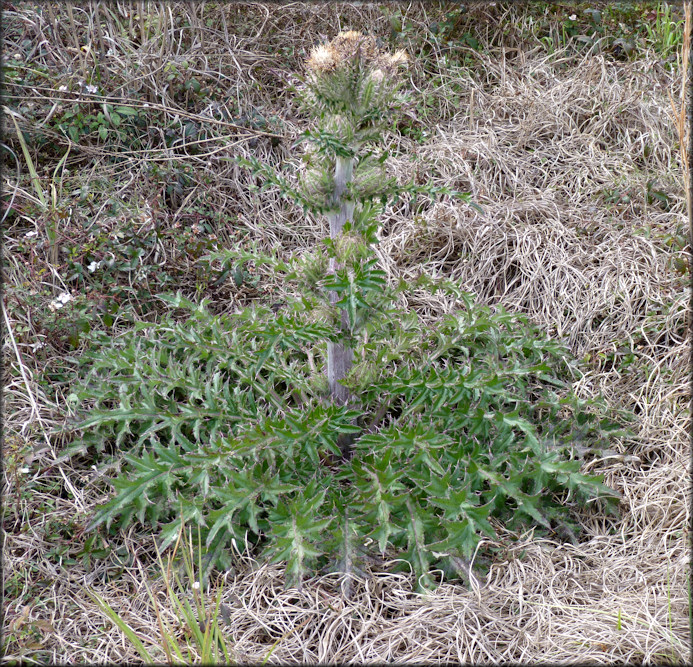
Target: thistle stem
{"points": [[339, 355]]}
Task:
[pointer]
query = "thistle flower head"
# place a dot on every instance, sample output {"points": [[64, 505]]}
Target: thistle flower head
{"points": [[397, 58], [350, 35], [377, 75], [351, 44], [323, 59]]}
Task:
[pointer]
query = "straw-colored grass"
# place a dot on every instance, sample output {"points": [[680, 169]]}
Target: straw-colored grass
{"points": [[557, 148]]}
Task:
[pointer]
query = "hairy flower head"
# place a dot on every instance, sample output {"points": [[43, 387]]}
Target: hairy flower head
{"points": [[377, 75], [347, 46], [323, 59], [398, 58], [350, 35]]}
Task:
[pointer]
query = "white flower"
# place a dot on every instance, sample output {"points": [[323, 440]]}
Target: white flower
{"points": [[62, 89], [573, 17], [93, 266], [91, 89], [62, 299], [30, 234], [196, 585], [324, 58]]}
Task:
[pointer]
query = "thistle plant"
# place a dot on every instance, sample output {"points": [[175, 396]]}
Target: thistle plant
{"points": [[352, 91], [350, 88], [341, 428]]}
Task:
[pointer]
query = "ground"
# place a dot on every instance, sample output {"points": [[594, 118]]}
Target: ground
{"points": [[563, 123]]}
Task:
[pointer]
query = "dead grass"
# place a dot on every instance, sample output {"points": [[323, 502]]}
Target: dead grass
{"points": [[559, 151]]}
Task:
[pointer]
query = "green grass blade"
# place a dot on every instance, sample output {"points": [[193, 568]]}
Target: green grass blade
{"points": [[30, 165], [129, 632]]}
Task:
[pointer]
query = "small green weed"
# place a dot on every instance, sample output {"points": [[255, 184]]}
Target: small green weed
{"points": [[204, 643], [664, 34], [114, 124]]}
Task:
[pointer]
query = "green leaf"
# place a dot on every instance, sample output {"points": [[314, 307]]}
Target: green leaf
{"points": [[462, 538], [126, 111], [418, 553], [529, 505], [296, 531], [128, 492], [169, 533]]}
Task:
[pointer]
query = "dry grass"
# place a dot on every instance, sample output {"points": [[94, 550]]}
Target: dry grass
{"points": [[558, 150]]}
